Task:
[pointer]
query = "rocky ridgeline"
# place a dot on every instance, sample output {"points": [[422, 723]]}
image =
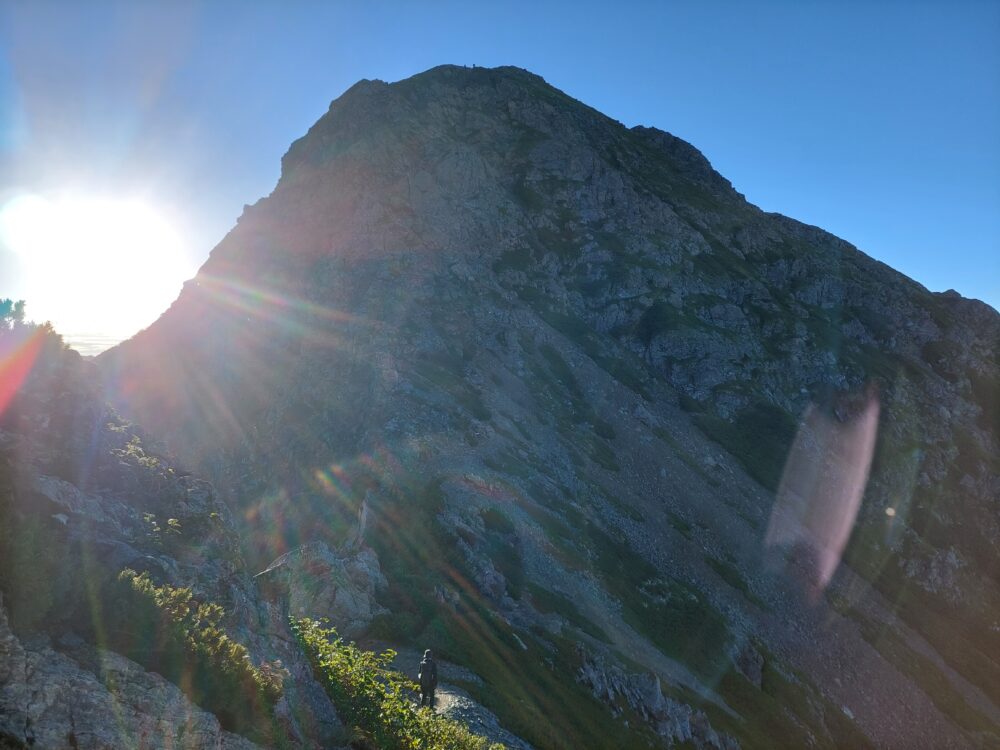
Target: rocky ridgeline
{"points": [[557, 365], [84, 496], [81, 500]]}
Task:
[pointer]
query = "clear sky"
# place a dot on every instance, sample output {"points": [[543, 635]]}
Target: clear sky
{"points": [[878, 121]]}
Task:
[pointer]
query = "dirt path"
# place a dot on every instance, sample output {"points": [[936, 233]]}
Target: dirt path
{"points": [[446, 700], [458, 705], [453, 702]]}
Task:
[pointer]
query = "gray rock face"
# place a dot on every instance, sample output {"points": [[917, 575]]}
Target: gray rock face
{"points": [[96, 700], [750, 663], [314, 582], [672, 720], [454, 703], [565, 361], [82, 497]]}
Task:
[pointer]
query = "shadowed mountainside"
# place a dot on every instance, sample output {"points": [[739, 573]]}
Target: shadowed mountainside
{"points": [[556, 367]]}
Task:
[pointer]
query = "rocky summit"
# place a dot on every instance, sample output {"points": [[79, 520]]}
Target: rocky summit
{"points": [[492, 374]]}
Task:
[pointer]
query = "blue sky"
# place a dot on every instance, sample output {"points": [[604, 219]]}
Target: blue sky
{"points": [[878, 121]]}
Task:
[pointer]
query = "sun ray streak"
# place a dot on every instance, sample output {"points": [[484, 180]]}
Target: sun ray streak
{"points": [[17, 357]]}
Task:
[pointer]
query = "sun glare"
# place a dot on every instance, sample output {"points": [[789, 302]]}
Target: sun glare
{"points": [[96, 267]]}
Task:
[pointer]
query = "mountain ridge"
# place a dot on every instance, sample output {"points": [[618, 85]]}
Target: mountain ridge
{"points": [[557, 376], [624, 242]]}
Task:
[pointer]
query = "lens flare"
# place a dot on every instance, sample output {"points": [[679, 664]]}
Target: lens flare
{"points": [[822, 486], [17, 357], [94, 265]]}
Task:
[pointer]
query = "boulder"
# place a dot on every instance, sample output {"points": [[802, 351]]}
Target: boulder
{"points": [[96, 700], [314, 581]]}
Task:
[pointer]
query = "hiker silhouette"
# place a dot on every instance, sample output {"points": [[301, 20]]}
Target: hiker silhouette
{"points": [[428, 678]]}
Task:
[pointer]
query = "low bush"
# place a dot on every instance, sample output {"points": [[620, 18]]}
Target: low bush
{"points": [[166, 630], [759, 437], [495, 520], [547, 602], [376, 700], [732, 576]]}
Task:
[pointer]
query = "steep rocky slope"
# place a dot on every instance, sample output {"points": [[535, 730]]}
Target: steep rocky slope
{"points": [[86, 662], [556, 367]]}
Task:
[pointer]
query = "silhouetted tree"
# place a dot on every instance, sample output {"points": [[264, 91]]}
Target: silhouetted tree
{"points": [[11, 313]]}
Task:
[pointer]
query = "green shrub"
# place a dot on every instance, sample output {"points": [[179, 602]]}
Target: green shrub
{"points": [[33, 570], [602, 455], [603, 428], [690, 405], [495, 520], [618, 365], [759, 437], [165, 629], [674, 616], [546, 602], [10, 742], [942, 356], [445, 371], [732, 576], [657, 319], [986, 393], [377, 700]]}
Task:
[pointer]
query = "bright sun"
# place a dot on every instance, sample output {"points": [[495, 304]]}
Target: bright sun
{"points": [[95, 267]]}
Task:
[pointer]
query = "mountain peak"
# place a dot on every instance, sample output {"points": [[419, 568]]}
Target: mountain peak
{"points": [[500, 134], [370, 106], [562, 368]]}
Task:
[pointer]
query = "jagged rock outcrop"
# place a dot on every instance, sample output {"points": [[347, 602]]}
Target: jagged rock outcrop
{"points": [[565, 362], [458, 705], [82, 498], [673, 721], [92, 699], [750, 663], [314, 582]]}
